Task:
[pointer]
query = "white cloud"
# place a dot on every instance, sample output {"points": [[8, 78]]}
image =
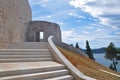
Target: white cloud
{"points": [[74, 14], [118, 33], [85, 32], [97, 39], [70, 14], [43, 5], [78, 21], [114, 27], [90, 27], [36, 2], [61, 23], [45, 0], [106, 11], [104, 21], [49, 16], [81, 16], [46, 17], [72, 36], [98, 30]]}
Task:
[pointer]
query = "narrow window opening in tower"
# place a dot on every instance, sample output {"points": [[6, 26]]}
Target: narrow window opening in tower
{"points": [[41, 35]]}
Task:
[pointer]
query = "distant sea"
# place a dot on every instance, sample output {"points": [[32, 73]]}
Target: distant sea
{"points": [[99, 57]]}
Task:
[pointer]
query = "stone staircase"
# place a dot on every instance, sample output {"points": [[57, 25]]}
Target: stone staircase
{"points": [[30, 61]]}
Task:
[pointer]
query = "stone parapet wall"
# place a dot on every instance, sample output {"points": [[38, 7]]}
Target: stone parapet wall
{"points": [[14, 18]]}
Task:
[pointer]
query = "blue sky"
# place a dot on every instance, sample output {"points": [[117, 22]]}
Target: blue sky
{"points": [[81, 20]]}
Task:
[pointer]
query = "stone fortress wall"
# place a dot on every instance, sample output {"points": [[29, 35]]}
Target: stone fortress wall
{"points": [[16, 24], [14, 18]]}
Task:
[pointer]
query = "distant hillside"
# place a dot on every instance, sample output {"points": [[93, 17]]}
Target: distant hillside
{"points": [[99, 50]]}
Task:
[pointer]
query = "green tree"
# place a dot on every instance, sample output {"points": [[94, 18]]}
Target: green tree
{"points": [[118, 50], [88, 51], [118, 53], [71, 45], [111, 53], [77, 46]]}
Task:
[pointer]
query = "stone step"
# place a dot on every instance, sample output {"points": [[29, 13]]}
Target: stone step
{"points": [[25, 56], [65, 77], [25, 59], [37, 76], [30, 61], [29, 45], [25, 50], [9, 69], [25, 53]]}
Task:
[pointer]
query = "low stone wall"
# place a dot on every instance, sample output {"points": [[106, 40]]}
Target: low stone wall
{"points": [[68, 47], [48, 28]]}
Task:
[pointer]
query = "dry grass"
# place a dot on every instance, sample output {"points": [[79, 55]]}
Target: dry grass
{"points": [[88, 67]]}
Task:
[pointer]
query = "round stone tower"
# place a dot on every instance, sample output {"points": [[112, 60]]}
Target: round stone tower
{"points": [[14, 18]]}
